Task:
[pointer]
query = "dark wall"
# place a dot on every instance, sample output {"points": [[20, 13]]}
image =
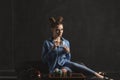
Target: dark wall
{"points": [[6, 49], [91, 26]]}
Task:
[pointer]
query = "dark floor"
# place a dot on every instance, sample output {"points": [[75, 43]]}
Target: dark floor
{"points": [[115, 76]]}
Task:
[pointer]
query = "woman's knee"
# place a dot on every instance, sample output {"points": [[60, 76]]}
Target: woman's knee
{"points": [[66, 69]]}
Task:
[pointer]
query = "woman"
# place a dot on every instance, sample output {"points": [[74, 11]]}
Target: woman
{"points": [[56, 51]]}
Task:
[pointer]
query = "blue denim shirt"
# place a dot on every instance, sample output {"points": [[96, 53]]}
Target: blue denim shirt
{"points": [[56, 57]]}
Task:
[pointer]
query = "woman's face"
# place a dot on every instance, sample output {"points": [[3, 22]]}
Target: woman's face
{"points": [[57, 31]]}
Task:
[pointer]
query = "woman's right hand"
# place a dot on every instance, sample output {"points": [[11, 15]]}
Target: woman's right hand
{"points": [[54, 46]]}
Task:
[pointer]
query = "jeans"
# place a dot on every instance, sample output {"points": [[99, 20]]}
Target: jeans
{"points": [[78, 68]]}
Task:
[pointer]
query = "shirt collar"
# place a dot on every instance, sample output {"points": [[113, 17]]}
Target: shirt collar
{"points": [[51, 39]]}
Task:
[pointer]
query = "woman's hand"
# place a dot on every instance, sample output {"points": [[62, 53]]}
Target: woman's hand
{"points": [[67, 49], [56, 43], [54, 46]]}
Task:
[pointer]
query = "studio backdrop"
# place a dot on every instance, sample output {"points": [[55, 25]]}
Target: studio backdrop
{"points": [[91, 26]]}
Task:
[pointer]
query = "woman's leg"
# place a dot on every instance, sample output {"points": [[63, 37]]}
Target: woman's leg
{"points": [[75, 67], [67, 68]]}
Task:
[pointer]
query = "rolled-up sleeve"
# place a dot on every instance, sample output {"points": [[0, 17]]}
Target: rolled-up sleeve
{"points": [[68, 55]]}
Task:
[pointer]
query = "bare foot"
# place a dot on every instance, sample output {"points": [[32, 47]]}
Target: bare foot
{"points": [[99, 76]]}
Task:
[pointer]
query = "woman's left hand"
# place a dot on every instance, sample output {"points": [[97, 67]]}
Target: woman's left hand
{"points": [[66, 49]]}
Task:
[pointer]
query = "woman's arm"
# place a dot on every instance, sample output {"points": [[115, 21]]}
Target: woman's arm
{"points": [[47, 51], [67, 49]]}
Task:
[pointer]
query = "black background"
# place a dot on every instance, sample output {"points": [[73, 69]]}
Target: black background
{"points": [[91, 26]]}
